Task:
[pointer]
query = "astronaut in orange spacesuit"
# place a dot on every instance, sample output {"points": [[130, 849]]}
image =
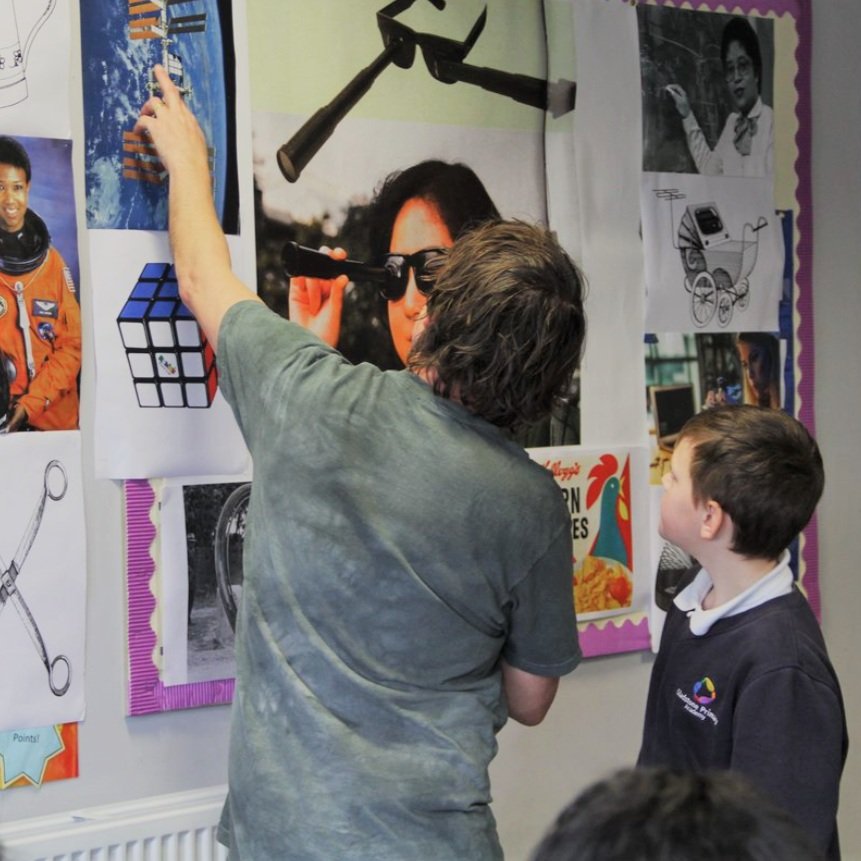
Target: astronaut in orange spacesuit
{"points": [[40, 320]]}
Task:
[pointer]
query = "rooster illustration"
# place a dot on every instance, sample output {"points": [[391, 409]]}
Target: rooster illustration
{"points": [[613, 538]]}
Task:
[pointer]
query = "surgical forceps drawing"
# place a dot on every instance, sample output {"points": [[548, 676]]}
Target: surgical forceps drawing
{"points": [[54, 488]]}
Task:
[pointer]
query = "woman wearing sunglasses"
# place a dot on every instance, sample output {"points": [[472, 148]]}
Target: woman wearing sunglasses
{"points": [[746, 144], [415, 216]]}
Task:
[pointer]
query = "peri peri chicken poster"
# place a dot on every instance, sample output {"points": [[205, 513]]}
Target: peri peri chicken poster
{"points": [[609, 531]]}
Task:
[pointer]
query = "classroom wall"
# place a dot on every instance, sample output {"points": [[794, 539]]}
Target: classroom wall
{"points": [[836, 124], [594, 726]]}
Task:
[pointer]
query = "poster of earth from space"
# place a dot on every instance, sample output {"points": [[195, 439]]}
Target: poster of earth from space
{"points": [[121, 42]]}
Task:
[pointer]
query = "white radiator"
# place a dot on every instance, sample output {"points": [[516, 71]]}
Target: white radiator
{"points": [[176, 827]]}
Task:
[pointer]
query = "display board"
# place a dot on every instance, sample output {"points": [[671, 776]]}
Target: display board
{"points": [[629, 207]]}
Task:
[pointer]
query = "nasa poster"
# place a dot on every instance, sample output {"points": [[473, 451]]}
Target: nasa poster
{"points": [[120, 43]]}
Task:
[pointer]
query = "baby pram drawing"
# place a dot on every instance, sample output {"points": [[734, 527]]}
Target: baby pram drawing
{"points": [[716, 266]]}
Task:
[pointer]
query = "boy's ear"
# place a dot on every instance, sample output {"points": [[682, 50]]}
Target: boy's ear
{"points": [[713, 518]]}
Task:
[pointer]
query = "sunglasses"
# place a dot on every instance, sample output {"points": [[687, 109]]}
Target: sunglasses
{"points": [[425, 264]]}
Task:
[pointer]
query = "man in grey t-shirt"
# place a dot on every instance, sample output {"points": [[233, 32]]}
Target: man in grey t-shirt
{"points": [[408, 568]]}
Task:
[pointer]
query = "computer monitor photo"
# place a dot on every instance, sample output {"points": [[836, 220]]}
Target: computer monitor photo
{"points": [[671, 407]]}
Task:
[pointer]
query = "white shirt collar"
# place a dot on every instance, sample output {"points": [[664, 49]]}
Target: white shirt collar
{"points": [[753, 113], [756, 110], [777, 582]]}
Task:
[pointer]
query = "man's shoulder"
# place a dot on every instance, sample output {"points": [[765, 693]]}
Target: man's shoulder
{"points": [[250, 322], [247, 312], [263, 357]]}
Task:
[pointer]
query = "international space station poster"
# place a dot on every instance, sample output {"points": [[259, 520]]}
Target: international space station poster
{"points": [[193, 39]]}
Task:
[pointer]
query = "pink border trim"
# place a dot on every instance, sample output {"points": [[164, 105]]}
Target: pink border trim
{"points": [[140, 532], [147, 694], [613, 639]]}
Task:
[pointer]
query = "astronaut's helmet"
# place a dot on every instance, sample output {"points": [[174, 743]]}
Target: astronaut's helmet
{"points": [[8, 372], [27, 249]]}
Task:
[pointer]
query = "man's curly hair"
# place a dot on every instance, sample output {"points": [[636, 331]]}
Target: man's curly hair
{"points": [[505, 324]]}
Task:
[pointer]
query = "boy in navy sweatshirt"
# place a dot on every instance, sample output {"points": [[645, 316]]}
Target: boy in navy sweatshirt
{"points": [[742, 679]]}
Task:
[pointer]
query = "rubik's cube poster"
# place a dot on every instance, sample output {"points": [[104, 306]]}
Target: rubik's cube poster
{"points": [[171, 362], [159, 412]]}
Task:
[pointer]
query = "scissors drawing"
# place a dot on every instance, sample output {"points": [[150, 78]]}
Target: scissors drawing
{"points": [[54, 488]]}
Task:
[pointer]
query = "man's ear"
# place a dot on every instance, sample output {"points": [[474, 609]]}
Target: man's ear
{"points": [[713, 519]]}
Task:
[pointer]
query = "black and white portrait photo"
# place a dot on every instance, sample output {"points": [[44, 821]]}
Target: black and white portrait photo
{"points": [[707, 89]]}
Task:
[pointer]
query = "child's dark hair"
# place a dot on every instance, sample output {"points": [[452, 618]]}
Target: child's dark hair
{"points": [[657, 814], [762, 467]]}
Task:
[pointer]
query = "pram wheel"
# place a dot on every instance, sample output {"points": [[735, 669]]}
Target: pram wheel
{"points": [[724, 308], [725, 296], [693, 262], [228, 545], [743, 298], [703, 299]]}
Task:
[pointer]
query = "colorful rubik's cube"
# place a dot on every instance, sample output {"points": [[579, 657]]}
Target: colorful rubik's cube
{"points": [[172, 363]]}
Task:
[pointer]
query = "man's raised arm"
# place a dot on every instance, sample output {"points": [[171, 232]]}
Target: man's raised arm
{"points": [[207, 284]]}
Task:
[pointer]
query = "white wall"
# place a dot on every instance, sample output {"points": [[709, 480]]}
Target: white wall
{"points": [[595, 725], [837, 296]]}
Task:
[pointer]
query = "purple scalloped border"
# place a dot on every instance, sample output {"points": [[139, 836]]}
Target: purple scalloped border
{"points": [[147, 694], [804, 275]]}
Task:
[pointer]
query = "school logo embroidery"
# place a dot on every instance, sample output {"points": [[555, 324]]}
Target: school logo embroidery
{"points": [[45, 308], [704, 691], [703, 694]]}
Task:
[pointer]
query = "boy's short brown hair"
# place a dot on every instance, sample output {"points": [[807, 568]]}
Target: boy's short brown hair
{"points": [[762, 467]]}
